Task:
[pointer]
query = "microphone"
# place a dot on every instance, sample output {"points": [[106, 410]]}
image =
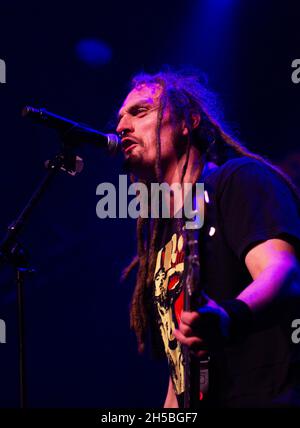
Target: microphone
{"points": [[73, 133]]}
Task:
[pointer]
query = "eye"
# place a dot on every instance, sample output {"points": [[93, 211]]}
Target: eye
{"points": [[140, 111]]}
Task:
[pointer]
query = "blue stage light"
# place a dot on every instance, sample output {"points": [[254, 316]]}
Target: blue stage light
{"points": [[94, 52]]}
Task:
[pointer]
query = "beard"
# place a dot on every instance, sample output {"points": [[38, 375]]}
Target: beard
{"points": [[135, 165]]}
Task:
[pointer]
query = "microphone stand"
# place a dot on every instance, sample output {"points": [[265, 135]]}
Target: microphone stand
{"points": [[11, 251]]}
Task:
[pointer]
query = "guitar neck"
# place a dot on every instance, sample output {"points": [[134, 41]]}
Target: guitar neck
{"points": [[193, 366]]}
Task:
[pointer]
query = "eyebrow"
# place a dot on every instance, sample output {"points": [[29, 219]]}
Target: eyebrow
{"points": [[140, 103]]}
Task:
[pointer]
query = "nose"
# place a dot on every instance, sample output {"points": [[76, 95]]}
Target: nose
{"points": [[125, 126]]}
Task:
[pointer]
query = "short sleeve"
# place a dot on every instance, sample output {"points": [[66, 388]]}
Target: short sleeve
{"points": [[256, 204]]}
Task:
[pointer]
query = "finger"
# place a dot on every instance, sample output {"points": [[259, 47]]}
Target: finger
{"points": [[190, 318], [186, 330], [192, 342]]}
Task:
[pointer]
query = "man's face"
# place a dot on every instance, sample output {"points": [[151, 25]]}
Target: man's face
{"points": [[137, 123]]}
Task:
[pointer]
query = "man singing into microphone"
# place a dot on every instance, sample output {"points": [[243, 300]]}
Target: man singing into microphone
{"points": [[251, 234]]}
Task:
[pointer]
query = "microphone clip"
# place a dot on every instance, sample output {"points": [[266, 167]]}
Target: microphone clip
{"points": [[68, 162]]}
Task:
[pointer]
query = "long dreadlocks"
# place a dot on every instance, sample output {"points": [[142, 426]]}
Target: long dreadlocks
{"points": [[186, 96]]}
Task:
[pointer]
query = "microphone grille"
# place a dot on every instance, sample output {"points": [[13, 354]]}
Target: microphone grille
{"points": [[30, 111], [113, 143]]}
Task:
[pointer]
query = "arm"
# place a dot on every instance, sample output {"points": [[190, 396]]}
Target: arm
{"points": [[275, 271], [171, 399]]}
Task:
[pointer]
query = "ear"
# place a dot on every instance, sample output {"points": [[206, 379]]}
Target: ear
{"points": [[196, 119]]}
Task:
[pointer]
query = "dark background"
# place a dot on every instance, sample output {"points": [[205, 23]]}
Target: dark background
{"points": [[80, 351]]}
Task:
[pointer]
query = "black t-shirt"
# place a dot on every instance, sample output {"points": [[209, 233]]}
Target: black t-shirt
{"points": [[248, 204]]}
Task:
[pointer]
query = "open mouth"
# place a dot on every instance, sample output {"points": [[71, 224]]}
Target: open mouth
{"points": [[129, 148], [128, 144]]}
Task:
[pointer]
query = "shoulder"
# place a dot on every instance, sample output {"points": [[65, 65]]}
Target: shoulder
{"points": [[241, 166], [247, 173], [254, 203]]}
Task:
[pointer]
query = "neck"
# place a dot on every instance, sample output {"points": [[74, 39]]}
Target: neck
{"points": [[173, 174]]}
